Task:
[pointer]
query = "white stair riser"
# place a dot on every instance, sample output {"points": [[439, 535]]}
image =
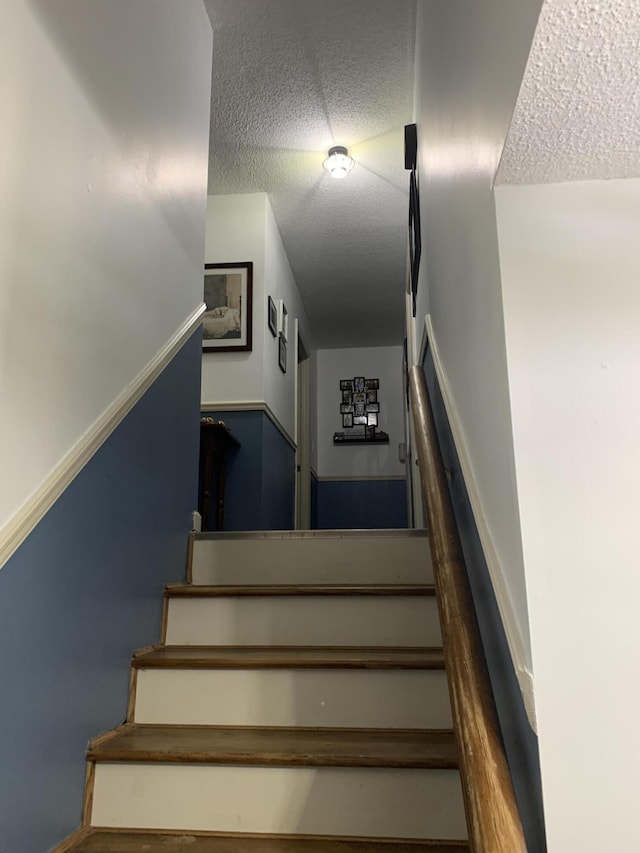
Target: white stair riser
{"points": [[348, 698], [304, 620], [312, 560], [332, 801]]}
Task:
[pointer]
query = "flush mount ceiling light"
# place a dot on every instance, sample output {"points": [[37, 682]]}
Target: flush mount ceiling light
{"points": [[338, 163]]}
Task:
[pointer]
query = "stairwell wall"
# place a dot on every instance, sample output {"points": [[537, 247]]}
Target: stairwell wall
{"points": [[101, 218], [470, 59], [104, 165], [84, 591]]}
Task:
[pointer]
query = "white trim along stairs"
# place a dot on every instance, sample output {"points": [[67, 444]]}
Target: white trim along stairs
{"points": [[297, 704]]}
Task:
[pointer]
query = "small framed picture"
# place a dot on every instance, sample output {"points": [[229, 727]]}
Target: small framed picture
{"points": [[360, 420], [372, 396], [359, 397], [415, 242], [346, 408], [347, 420], [283, 320], [372, 419], [358, 384], [372, 384], [359, 409], [347, 397], [373, 407], [370, 431], [346, 384], [272, 317], [282, 354]]}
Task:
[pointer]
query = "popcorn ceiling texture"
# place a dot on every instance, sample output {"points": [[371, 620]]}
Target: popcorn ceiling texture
{"points": [[578, 113], [290, 79]]}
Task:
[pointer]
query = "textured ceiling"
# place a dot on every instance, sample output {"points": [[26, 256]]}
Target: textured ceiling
{"points": [[578, 113], [290, 79]]}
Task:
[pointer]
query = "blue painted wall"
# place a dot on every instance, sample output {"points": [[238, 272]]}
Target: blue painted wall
{"points": [[344, 504], [243, 492], [314, 501], [521, 743], [260, 487], [84, 591], [278, 479]]}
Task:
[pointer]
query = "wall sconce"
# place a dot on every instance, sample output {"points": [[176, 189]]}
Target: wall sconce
{"points": [[338, 163]]}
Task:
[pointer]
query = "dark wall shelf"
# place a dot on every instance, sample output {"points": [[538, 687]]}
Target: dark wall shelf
{"points": [[376, 440]]}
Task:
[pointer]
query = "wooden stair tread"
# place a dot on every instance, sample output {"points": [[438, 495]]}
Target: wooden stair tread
{"points": [[144, 841], [277, 746], [203, 590], [289, 657]]}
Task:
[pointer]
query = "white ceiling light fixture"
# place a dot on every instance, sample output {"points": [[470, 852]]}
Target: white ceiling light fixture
{"points": [[338, 163]]}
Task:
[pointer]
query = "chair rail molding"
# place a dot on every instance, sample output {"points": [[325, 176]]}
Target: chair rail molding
{"points": [[16, 530], [250, 406]]}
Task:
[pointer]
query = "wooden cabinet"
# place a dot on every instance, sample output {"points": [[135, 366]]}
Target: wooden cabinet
{"points": [[217, 444]]}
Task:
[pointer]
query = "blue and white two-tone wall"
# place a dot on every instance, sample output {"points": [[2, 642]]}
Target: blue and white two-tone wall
{"points": [[360, 485], [248, 390], [81, 593], [355, 486], [102, 216]]}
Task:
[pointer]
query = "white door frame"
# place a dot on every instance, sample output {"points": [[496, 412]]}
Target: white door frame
{"points": [[303, 434]]}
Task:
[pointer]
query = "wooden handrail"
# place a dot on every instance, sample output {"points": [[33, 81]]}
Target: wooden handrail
{"points": [[493, 820]]}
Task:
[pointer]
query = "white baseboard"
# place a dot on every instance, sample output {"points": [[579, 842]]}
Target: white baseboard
{"points": [[496, 571], [33, 510]]}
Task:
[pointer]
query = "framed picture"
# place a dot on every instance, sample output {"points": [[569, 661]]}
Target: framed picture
{"points": [[371, 384], [346, 408], [283, 320], [228, 293], [359, 409], [282, 354], [347, 397], [347, 420], [372, 419], [373, 407], [372, 396], [272, 317], [359, 397], [358, 384], [415, 242], [360, 420], [346, 384]]}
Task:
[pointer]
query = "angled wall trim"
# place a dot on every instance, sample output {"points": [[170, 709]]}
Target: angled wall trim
{"points": [[505, 605], [250, 406], [32, 511]]}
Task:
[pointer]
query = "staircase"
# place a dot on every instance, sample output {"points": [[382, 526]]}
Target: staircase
{"points": [[297, 704]]}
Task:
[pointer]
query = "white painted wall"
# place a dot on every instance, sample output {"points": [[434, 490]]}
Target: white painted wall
{"points": [[570, 273], [103, 170], [360, 460], [236, 232], [279, 387], [469, 64], [243, 228]]}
